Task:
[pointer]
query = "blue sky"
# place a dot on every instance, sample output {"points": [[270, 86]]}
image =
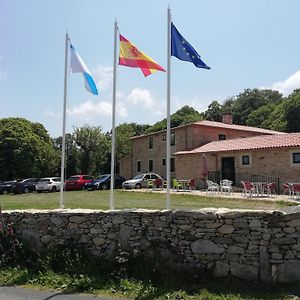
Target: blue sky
{"points": [[247, 44]]}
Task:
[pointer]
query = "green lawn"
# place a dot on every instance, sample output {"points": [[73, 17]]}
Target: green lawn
{"points": [[133, 199]]}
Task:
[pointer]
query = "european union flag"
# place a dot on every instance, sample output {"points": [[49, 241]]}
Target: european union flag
{"points": [[183, 50]]}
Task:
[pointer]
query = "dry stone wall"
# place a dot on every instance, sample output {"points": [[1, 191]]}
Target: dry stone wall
{"points": [[251, 245]]}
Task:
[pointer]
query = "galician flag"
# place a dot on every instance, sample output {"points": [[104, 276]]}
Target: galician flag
{"points": [[78, 66], [131, 56]]}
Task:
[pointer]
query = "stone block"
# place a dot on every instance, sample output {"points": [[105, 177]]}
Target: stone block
{"points": [[221, 269], [204, 246], [289, 271], [226, 229], [244, 271]]}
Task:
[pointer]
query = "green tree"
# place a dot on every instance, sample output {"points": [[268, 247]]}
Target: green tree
{"points": [[93, 148], [183, 116], [25, 149], [250, 100], [71, 156], [292, 112], [214, 112]]}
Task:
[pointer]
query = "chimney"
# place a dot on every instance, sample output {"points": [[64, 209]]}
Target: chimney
{"points": [[227, 119]]}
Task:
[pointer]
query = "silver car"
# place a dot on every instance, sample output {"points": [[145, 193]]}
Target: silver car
{"points": [[139, 181], [51, 184]]}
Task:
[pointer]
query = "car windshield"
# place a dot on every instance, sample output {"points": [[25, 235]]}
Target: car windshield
{"points": [[44, 180], [102, 177], [74, 178], [139, 176]]}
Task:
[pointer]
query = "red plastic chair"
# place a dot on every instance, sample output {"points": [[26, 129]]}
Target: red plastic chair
{"points": [[192, 184]]}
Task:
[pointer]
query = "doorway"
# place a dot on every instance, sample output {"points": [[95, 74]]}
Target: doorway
{"points": [[228, 168]]}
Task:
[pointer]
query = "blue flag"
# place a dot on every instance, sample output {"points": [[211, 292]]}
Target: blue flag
{"points": [[183, 50], [78, 66]]}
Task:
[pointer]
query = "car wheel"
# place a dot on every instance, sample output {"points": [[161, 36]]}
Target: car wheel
{"points": [[138, 186], [5, 192], [26, 190], [53, 189], [104, 186]]}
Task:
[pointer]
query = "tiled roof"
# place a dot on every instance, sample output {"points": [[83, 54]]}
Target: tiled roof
{"points": [[206, 123], [252, 143], [235, 127]]}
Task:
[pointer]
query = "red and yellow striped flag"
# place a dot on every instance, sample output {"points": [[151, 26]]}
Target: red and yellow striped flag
{"points": [[131, 56]]}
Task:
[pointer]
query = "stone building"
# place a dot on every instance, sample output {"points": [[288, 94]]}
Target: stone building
{"points": [[148, 152], [275, 156]]}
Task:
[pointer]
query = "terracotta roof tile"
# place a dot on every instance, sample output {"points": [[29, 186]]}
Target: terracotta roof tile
{"points": [[235, 127], [252, 143]]}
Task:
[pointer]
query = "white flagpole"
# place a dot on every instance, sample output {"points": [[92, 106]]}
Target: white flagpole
{"points": [[113, 138], [63, 146], [168, 112]]}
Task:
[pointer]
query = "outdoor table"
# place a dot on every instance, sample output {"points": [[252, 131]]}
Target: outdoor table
{"points": [[258, 188], [184, 184]]}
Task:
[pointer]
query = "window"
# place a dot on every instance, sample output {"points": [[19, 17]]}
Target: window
{"points": [[138, 166], [172, 138], [163, 161], [150, 165], [245, 160], [222, 137], [164, 137], [173, 164], [151, 142], [296, 158]]}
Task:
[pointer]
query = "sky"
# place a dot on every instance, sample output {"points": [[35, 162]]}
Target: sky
{"points": [[247, 44]]}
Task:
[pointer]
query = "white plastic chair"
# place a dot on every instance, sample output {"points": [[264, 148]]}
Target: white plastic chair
{"points": [[212, 187], [226, 186]]}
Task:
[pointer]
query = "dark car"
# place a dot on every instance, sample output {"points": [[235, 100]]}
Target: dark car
{"points": [[5, 186], [103, 183], [24, 186]]}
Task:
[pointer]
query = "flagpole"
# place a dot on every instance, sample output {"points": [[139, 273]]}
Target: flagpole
{"points": [[63, 146], [113, 138], [168, 112]]}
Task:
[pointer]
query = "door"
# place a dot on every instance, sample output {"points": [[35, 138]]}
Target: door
{"points": [[228, 168]]}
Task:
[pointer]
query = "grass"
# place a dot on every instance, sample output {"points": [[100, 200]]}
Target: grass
{"points": [[134, 199]]}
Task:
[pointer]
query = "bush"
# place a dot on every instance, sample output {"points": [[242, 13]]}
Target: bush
{"points": [[10, 247]]}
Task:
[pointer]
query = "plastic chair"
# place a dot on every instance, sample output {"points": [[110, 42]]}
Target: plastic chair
{"points": [[211, 187], [176, 184], [149, 183], [158, 183], [226, 186], [248, 188], [288, 189], [270, 188], [192, 184]]}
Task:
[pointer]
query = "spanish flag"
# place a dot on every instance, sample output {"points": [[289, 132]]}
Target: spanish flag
{"points": [[131, 56]]}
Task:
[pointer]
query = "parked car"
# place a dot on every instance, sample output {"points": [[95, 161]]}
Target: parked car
{"points": [[77, 182], [24, 186], [51, 184], [5, 187], [139, 181], [103, 183]]}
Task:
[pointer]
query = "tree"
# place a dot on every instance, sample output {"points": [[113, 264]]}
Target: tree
{"points": [[25, 149], [93, 148], [292, 112], [250, 100], [183, 116], [214, 112], [72, 154]]}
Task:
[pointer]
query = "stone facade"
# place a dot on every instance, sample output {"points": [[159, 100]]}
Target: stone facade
{"points": [[268, 162], [251, 245], [186, 138]]}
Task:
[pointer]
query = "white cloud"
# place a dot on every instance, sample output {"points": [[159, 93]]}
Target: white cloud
{"points": [[139, 96], [103, 77], [288, 85], [87, 110], [50, 113]]}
